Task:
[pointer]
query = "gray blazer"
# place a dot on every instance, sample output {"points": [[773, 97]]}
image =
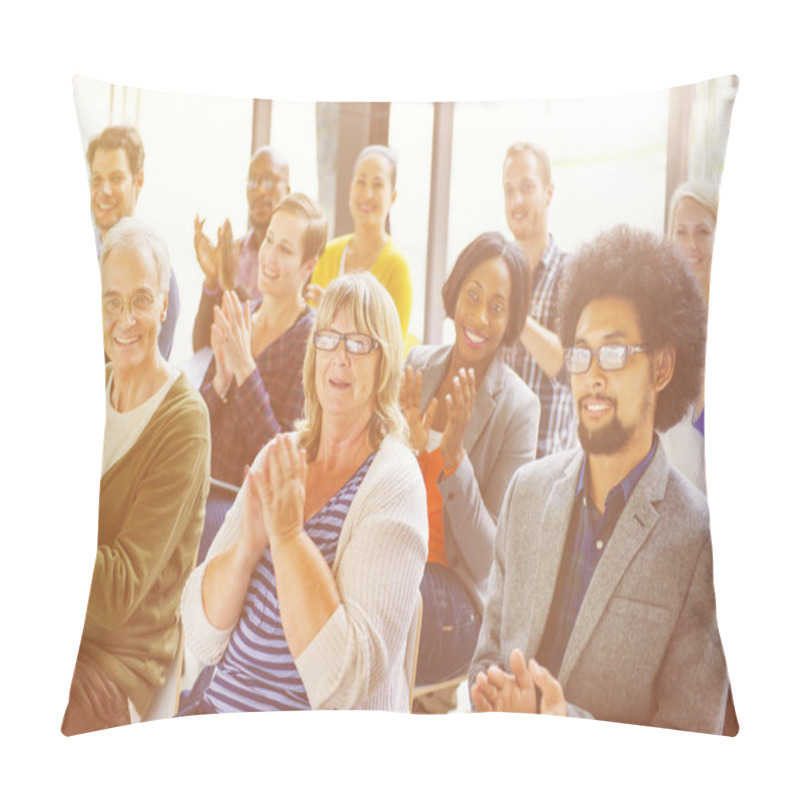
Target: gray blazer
{"points": [[645, 648], [500, 437]]}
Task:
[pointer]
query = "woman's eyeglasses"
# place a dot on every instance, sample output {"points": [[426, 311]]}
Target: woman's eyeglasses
{"points": [[358, 344]]}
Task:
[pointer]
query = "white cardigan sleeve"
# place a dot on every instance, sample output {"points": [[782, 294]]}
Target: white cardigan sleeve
{"points": [[378, 568]]}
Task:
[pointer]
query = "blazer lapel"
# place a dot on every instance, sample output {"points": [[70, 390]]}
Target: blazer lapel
{"points": [[549, 540], [485, 402], [632, 529], [432, 362], [433, 365]]}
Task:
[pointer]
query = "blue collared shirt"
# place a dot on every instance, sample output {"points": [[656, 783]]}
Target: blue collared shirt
{"points": [[587, 538]]}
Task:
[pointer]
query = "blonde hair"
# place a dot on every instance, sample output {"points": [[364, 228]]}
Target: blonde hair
{"points": [[700, 191], [361, 297]]}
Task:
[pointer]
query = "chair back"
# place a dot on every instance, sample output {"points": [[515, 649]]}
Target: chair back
{"points": [[412, 648], [164, 704]]}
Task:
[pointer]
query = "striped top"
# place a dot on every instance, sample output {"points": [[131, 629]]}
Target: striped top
{"points": [[257, 672]]}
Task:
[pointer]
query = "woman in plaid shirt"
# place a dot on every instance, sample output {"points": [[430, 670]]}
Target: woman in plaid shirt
{"points": [[253, 387]]}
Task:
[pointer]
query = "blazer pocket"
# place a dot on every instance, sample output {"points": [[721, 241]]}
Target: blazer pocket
{"points": [[637, 610]]}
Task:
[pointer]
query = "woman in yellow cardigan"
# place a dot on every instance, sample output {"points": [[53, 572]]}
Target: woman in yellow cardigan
{"points": [[369, 247]]}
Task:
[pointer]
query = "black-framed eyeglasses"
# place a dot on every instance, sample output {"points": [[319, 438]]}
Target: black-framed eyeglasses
{"points": [[358, 344], [610, 357], [270, 178]]}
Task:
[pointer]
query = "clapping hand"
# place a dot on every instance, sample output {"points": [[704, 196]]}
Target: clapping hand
{"points": [[229, 252], [281, 488], [220, 263], [208, 256], [313, 294], [223, 374], [460, 403], [233, 329], [419, 424]]}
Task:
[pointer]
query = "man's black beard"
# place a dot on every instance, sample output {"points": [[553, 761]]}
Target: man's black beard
{"points": [[610, 439]]}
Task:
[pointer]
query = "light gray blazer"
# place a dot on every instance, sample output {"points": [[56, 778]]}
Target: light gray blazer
{"points": [[645, 648], [500, 437]]}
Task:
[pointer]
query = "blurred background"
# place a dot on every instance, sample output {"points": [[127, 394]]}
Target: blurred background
{"points": [[614, 159]]}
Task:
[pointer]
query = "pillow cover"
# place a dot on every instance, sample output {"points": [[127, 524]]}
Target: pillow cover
{"points": [[650, 161]]}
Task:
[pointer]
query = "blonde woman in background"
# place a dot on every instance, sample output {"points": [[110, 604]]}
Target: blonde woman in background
{"points": [[691, 227]]}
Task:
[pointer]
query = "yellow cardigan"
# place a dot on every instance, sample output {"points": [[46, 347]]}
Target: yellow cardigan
{"points": [[390, 268]]}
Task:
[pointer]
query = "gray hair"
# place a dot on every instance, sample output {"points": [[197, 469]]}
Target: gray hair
{"points": [[130, 235]]}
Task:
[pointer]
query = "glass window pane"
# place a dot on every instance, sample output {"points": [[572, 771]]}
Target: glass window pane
{"points": [[294, 134], [410, 136]]}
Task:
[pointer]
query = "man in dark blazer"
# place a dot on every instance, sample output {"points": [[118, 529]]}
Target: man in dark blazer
{"points": [[601, 598]]}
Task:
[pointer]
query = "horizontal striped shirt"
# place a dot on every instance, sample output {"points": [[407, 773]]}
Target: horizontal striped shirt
{"points": [[257, 672]]}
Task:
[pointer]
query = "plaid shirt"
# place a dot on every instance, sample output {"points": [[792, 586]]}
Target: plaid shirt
{"points": [[269, 401], [557, 421], [587, 538]]}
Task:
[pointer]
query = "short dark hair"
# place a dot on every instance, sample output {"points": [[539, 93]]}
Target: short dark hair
{"points": [[278, 159], [650, 272], [115, 137], [480, 249]]}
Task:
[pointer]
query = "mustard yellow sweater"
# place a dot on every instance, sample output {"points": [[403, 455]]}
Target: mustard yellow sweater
{"points": [[390, 268]]}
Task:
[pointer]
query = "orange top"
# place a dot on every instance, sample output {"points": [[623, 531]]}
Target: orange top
{"points": [[431, 464]]}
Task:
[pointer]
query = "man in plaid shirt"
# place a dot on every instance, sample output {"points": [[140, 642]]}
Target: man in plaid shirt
{"points": [[537, 357]]}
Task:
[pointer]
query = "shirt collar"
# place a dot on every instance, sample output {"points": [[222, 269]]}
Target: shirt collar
{"points": [[625, 487], [549, 250]]}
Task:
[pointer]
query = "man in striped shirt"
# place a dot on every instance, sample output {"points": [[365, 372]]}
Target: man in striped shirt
{"points": [[537, 357]]}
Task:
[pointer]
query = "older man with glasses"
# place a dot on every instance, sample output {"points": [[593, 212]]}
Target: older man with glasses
{"points": [[155, 475], [601, 599]]}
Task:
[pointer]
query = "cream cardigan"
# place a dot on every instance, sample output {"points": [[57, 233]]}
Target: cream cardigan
{"points": [[356, 661]]}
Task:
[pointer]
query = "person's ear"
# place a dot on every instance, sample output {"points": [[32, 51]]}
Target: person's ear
{"points": [[394, 196], [549, 192], [663, 367], [164, 308], [138, 182], [308, 267]]}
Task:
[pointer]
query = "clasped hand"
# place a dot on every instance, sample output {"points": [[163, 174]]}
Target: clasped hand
{"points": [[275, 494], [231, 336], [496, 690], [459, 404]]}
